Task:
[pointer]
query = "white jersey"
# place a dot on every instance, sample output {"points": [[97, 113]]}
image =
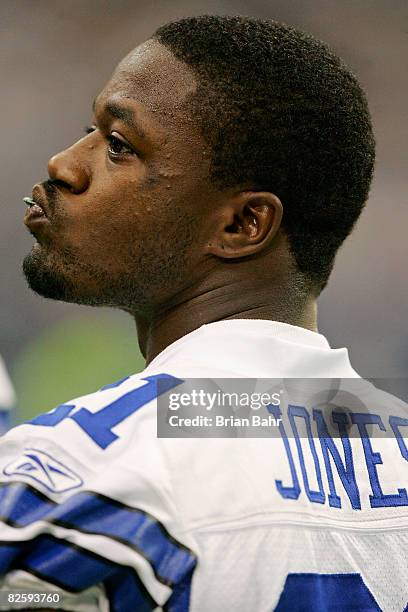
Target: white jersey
{"points": [[94, 506]]}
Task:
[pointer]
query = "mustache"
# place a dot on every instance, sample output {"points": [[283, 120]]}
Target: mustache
{"points": [[50, 188]]}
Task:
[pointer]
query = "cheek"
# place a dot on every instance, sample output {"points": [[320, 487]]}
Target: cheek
{"points": [[106, 219], [128, 217]]}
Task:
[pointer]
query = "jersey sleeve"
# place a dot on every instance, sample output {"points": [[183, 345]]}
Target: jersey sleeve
{"points": [[97, 524]]}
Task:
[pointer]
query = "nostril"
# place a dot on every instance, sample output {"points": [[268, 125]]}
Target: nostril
{"points": [[51, 186], [60, 184], [63, 185]]}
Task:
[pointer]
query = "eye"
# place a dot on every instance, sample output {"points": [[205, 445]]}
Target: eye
{"points": [[118, 147]]}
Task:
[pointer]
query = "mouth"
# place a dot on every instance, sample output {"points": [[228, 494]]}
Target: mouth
{"points": [[34, 209]]}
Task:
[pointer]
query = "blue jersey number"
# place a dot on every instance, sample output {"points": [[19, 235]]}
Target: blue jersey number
{"points": [[326, 593], [98, 425]]}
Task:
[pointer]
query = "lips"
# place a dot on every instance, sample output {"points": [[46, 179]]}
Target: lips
{"points": [[35, 209], [36, 213], [38, 199]]}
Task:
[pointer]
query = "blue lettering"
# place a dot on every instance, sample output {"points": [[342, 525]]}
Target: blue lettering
{"points": [[378, 499], [345, 472], [299, 411], [395, 423], [292, 492]]}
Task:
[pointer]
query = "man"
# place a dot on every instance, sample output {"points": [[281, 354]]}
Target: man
{"points": [[228, 160]]}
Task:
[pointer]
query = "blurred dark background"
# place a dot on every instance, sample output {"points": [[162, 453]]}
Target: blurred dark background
{"points": [[55, 56]]}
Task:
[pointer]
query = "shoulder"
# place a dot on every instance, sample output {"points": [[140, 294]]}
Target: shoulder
{"points": [[88, 482], [110, 432]]}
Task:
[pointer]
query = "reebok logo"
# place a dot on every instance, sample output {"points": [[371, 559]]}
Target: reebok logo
{"points": [[41, 467]]}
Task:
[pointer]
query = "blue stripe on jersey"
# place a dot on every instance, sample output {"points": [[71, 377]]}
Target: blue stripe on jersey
{"points": [[171, 561], [59, 562], [124, 594], [8, 552], [179, 600], [74, 569]]}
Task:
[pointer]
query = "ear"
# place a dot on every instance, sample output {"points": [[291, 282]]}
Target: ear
{"points": [[247, 224]]}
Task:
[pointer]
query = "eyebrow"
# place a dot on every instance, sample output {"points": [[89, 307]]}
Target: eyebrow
{"points": [[124, 114]]}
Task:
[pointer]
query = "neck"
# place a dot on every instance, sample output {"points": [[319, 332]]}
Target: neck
{"points": [[157, 332]]}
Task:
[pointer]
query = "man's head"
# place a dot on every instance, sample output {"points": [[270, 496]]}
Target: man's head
{"points": [[204, 135]]}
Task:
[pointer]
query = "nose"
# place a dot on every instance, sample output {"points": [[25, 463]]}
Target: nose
{"points": [[69, 170]]}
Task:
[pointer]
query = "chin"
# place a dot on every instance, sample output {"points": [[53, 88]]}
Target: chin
{"points": [[44, 278], [65, 278]]}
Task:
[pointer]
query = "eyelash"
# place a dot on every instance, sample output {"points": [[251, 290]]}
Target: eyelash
{"points": [[112, 141]]}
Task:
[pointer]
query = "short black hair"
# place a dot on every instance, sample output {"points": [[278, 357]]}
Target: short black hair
{"points": [[282, 113]]}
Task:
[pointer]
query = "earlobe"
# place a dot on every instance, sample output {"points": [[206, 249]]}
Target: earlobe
{"points": [[248, 224]]}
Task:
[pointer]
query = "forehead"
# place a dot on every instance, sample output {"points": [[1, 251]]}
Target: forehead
{"points": [[151, 88], [155, 79]]}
